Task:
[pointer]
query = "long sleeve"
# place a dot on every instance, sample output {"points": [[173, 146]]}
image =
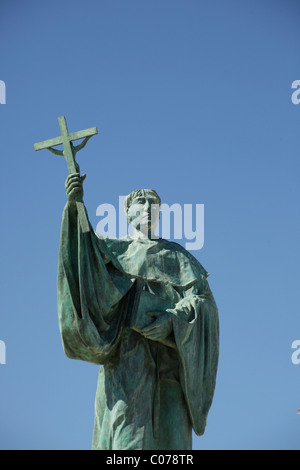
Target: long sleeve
{"points": [[196, 331], [91, 293]]}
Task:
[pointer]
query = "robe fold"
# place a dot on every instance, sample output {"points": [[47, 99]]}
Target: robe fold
{"points": [[149, 395]]}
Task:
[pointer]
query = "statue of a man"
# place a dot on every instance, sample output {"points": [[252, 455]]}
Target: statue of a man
{"points": [[140, 307]]}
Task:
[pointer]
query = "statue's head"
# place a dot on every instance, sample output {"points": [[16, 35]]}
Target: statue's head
{"points": [[142, 207]]}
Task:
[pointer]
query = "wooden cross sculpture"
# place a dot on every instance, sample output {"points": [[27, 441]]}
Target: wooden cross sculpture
{"points": [[69, 153]]}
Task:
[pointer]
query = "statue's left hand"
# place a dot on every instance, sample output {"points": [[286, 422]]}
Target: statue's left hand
{"points": [[160, 329]]}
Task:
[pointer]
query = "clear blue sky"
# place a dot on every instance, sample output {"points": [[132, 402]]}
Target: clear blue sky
{"points": [[192, 98]]}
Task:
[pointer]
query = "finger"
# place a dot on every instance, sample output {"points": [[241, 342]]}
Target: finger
{"points": [[150, 328], [73, 175], [74, 186], [73, 181], [152, 337], [74, 191], [152, 325]]}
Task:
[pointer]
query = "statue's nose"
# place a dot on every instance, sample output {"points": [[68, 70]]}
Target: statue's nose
{"points": [[147, 206]]}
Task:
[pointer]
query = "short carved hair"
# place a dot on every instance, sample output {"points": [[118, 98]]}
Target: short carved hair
{"points": [[141, 193]]}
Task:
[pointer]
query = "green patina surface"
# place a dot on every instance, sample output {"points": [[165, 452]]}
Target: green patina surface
{"points": [[156, 382]]}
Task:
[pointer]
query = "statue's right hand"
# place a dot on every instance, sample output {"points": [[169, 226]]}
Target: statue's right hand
{"points": [[73, 186]]}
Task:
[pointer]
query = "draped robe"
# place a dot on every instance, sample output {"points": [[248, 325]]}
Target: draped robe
{"points": [[149, 395]]}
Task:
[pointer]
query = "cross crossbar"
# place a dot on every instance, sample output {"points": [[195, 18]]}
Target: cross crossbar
{"points": [[58, 140]]}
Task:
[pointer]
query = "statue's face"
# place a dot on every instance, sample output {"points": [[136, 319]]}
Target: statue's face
{"points": [[143, 213]]}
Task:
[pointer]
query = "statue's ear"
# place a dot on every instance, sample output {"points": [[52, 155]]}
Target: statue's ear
{"points": [[128, 217]]}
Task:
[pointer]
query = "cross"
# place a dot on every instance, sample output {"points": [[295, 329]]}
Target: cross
{"points": [[69, 153]]}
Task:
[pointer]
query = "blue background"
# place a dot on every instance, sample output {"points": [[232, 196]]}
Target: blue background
{"points": [[192, 98]]}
